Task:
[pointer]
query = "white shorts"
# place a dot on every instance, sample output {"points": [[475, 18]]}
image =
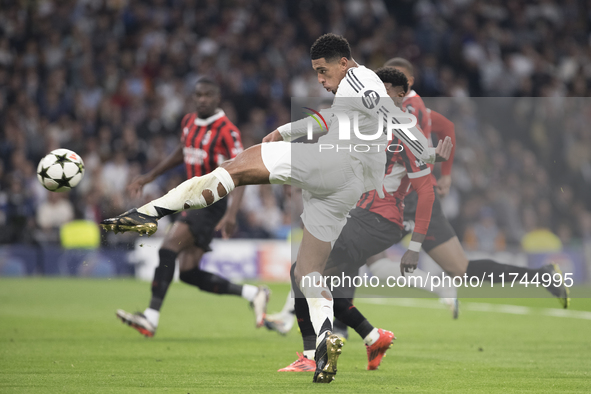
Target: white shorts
{"points": [[332, 183]]}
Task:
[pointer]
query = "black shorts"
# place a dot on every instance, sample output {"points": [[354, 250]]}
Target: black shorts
{"points": [[365, 234], [202, 222], [439, 230]]}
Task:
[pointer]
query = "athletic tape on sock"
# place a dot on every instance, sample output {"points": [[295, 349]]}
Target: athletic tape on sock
{"points": [[209, 182], [225, 178]]}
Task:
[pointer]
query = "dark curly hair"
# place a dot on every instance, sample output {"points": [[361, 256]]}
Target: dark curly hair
{"points": [[392, 75], [330, 47]]}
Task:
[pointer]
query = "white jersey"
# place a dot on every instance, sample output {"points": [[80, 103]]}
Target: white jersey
{"points": [[362, 97]]}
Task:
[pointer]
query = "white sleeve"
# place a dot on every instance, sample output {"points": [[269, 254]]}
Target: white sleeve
{"points": [[374, 101], [294, 130]]}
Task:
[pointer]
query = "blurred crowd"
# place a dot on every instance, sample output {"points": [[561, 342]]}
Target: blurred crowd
{"points": [[111, 79], [522, 171]]}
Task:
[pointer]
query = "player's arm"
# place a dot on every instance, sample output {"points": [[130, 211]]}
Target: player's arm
{"points": [[171, 161], [420, 180], [228, 222], [443, 128], [294, 130]]}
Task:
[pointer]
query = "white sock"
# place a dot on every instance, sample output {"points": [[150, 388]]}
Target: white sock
{"points": [[289, 307], [310, 354], [190, 193], [372, 337], [249, 292], [319, 300], [153, 316]]}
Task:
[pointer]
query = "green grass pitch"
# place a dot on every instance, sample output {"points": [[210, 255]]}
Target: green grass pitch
{"points": [[61, 336]]}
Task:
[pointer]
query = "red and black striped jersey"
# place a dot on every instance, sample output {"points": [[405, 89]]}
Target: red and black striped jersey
{"points": [[207, 143], [403, 169], [414, 104]]}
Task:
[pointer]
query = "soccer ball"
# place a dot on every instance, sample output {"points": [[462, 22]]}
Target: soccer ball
{"points": [[60, 170]]}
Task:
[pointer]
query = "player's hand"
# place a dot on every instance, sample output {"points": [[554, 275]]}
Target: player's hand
{"points": [[443, 185], [273, 136], [227, 225], [443, 150], [135, 187], [409, 262]]}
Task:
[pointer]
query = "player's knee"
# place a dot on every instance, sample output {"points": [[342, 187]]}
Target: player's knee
{"points": [[186, 263], [457, 267]]}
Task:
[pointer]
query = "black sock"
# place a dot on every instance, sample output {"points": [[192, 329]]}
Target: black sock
{"points": [[303, 314], [306, 328], [309, 342], [162, 277], [345, 311], [479, 268], [209, 282]]}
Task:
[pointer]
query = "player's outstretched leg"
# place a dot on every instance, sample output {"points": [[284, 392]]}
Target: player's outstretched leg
{"points": [[198, 192], [194, 193], [487, 267]]}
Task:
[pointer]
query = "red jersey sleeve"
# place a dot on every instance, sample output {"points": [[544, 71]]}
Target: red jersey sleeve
{"points": [[444, 127], [419, 175], [416, 106]]}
